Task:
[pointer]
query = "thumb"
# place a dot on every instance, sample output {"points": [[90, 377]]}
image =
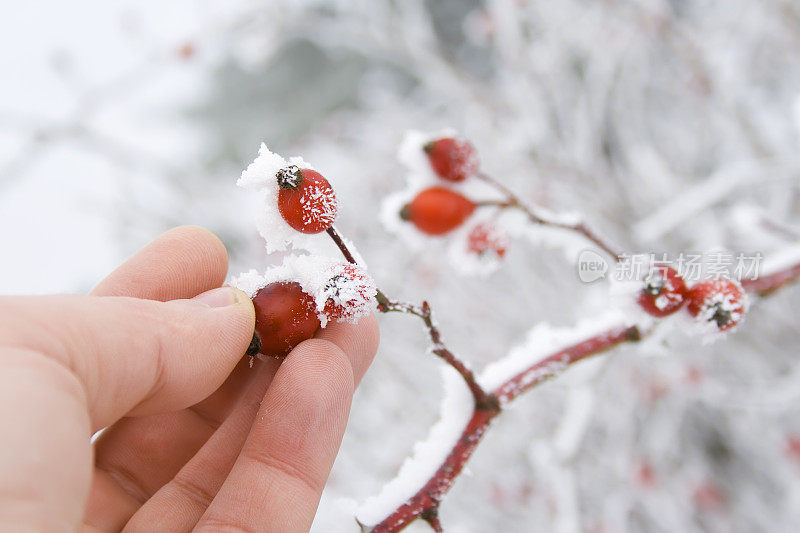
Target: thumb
{"points": [[132, 356]]}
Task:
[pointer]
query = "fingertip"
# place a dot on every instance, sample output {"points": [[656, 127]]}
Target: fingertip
{"points": [[231, 322], [358, 341], [198, 243], [203, 239], [322, 362], [180, 263]]}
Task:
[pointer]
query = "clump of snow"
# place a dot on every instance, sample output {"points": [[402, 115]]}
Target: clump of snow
{"points": [[544, 340], [341, 291], [456, 410], [249, 282]]}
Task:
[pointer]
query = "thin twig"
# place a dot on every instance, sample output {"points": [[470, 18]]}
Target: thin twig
{"points": [[483, 400], [512, 201]]}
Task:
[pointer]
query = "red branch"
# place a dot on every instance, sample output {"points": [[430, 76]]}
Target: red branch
{"points": [[554, 364], [425, 503], [766, 285]]}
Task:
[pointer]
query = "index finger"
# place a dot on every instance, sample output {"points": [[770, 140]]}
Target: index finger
{"points": [[278, 478], [181, 263]]}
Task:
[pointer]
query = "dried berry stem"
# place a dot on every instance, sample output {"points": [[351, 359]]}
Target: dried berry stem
{"points": [[512, 201], [428, 498], [483, 401]]}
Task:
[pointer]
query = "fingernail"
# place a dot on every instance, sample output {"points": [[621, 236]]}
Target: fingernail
{"points": [[222, 297]]}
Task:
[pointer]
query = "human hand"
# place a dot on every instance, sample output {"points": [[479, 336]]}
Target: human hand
{"points": [[195, 439]]}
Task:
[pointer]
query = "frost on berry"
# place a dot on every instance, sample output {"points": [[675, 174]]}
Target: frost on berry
{"points": [[452, 158], [339, 291], [487, 239], [306, 200], [663, 293], [348, 293], [717, 305]]}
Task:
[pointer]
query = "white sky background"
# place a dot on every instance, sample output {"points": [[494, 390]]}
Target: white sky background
{"points": [[57, 198]]}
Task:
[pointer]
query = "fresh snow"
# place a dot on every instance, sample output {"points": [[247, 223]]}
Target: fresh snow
{"points": [[456, 410], [543, 340], [314, 274]]}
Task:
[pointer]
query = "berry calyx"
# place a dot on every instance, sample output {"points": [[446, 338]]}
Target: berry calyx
{"points": [[486, 238], [437, 210], [285, 317], [289, 178], [664, 291], [306, 200], [452, 159], [348, 293], [720, 302]]}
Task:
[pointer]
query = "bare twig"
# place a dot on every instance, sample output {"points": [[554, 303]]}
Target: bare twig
{"points": [[483, 401], [512, 201]]}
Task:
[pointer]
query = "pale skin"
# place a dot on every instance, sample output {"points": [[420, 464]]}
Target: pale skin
{"points": [[196, 440]]}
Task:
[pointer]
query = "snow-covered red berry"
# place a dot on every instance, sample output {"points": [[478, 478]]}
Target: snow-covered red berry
{"points": [[437, 210], [348, 293], [306, 200], [452, 159], [487, 238], [285, 317], [664, 291], [720, 302]]}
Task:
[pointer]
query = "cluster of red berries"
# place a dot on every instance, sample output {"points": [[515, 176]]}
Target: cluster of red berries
{"points": [[439, 210], [286, 315], [719, 302]]}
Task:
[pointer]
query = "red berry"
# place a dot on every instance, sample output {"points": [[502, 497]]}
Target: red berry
{"points": [[437, 210], [306, 200], [347, 292], [720, 301], [707, 496], [285, 316], [187, 50], [487, 238], [664, 292], [452, 159]]}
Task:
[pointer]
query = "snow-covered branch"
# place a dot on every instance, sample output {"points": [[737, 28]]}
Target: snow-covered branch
{"points": [[464, 430]]}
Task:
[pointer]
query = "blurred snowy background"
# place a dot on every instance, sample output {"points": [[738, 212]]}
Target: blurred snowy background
{"points": [[672, 124]]}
